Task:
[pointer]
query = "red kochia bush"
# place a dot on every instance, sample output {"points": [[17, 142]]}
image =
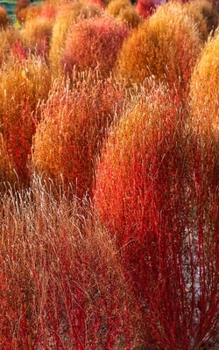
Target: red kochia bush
{"points": [[94, 43], [157, 193], [73, 126]]}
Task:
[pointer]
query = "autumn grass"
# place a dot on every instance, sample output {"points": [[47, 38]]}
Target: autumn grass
{"points": [[21, 9], [62, 285], [145, 8]]}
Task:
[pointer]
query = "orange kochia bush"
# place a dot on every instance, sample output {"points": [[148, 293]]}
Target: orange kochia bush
{"points": [[204, 89], [157, 192], [73, 125], [124, 11], [23, 85], [165, 46], [94, 44]]}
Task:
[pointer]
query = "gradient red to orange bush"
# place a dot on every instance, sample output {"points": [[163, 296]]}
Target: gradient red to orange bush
{"points": [[157, 193]]}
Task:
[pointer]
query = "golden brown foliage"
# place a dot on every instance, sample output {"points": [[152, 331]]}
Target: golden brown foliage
{"points": [[23, 85], [21, 9], [205, 89], [165, 46], [124, 11], [36, 34], [204, 15], [8, 37]]}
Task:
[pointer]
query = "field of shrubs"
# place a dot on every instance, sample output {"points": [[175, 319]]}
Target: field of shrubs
{"points": [[109, 175]]}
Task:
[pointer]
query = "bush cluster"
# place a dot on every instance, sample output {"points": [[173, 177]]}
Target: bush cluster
{"points": [[109, 175]]}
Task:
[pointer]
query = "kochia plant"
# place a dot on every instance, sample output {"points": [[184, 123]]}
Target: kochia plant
{"points": [[157, 193], [67, 15], [124, 11], [24, 83], [71, 131], [204, 89], [165, 46], [9, 38], [94, 44], [204, 15], [36, 34]]}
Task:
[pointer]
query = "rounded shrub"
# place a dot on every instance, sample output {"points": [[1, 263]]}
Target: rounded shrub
{"points": [[204, 15], [71, 131], [68, 14], [125, 168], [9, 39], [36, 34], [124, 11], [24, 84], [165, 46], [155, 195], [94, 44], [42, 10]]}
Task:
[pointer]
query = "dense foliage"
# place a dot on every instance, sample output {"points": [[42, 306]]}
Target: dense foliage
{"points": [[109, 175]]}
